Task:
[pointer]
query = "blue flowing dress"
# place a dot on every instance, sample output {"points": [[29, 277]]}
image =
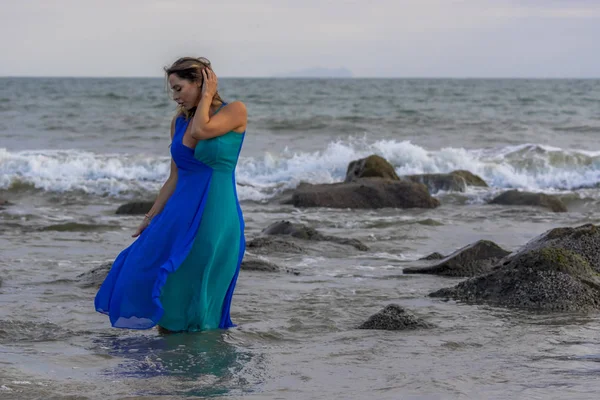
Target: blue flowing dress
{"points": [[180, 273]]}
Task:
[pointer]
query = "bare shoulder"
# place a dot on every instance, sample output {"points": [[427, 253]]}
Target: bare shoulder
{"points": [[236, 107]]}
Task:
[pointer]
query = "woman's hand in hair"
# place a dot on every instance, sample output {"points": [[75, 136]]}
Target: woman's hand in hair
{"points": [[209, 84]]}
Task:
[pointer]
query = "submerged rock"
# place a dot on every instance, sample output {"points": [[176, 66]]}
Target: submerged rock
{"points": [[94, 277], [135, 208], [300, 231], [394, 318], [256, 264], [370, 167], [365, 193], [471, 260], [517, 198], [271, 244], [250, 263], [455, 181]]}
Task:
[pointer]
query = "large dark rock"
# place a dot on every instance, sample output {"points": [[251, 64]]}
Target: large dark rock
{"points": [[135, 208], [394, 318], [517, 198], [286, 228], [365, 193], [583, 240], [556, 271], [548, 279], [474, 259], [455, 181], [373, 166]]}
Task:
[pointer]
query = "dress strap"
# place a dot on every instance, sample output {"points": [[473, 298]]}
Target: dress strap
{"points": [[220, 107]]}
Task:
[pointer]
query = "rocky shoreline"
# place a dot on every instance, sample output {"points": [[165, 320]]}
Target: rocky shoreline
{"points": [[557, 271]]}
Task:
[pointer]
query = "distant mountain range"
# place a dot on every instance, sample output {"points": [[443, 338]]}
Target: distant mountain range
{"points": [[318, 72]]}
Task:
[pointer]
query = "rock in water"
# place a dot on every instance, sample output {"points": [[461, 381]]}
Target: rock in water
{"points": [[583, 240], [373, 166], [437, 182], [455, 181], [250, 263], [470, 178], [545, 278], [433, 256], [256, 264], [273, 244], [517, 198], [365, 193], [474, 259], [135, 208], [394, 318], [95, 277], [300, 231]]}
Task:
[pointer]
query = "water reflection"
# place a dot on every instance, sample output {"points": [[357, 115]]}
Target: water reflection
{"points": [[203, 363]]}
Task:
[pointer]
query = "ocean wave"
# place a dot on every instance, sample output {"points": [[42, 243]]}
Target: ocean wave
{"points": [[529, 167], [73, 170]]}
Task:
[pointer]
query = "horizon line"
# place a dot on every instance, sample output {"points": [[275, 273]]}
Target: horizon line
{"points": [[303, 77]]}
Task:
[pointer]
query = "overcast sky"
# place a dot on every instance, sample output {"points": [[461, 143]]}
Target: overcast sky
{"points": [[372, 38]]}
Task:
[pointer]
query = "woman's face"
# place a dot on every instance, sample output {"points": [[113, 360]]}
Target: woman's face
{"points": [[185, 92]]}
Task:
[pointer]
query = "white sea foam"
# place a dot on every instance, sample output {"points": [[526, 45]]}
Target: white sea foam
{"points": [[528, 167]]}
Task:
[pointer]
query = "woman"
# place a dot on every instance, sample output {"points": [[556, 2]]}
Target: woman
{"points": [[181, 271]]}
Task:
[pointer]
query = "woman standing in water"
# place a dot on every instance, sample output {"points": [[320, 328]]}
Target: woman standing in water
{"points": [[181, 271]]}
